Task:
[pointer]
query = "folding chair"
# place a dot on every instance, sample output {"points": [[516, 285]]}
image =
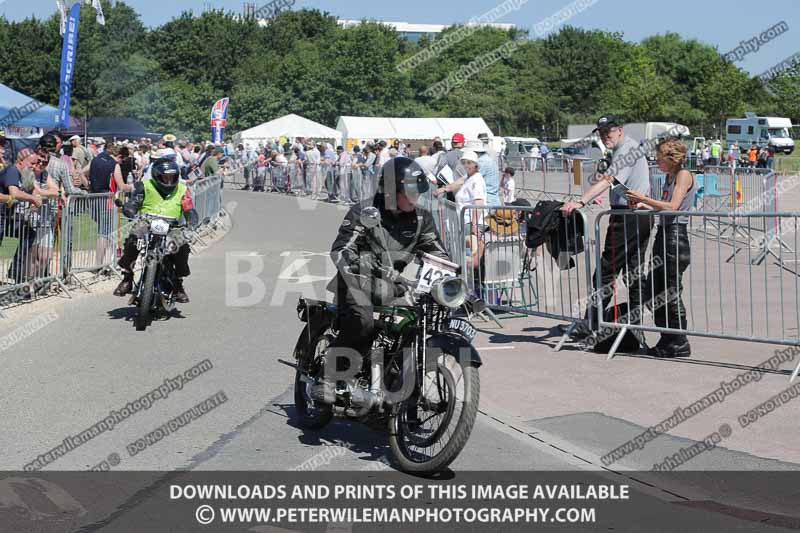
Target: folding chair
{"points": [[503, 266]]}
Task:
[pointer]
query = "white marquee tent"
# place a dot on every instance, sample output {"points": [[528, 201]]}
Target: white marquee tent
{"points": [[369, 128], [289, 126]]}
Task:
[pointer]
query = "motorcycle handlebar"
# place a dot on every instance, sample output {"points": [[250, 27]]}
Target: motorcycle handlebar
{"points": [[173, 222]]}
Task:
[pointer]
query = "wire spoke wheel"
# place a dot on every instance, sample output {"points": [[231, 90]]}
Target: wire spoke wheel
{"points": [[429, 430], [311, 413]]}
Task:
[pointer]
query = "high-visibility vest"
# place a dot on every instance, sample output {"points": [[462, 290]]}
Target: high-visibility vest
{"points": [[155, 204]]}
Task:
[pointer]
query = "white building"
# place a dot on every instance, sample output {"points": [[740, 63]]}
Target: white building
{"points": [[414, 32]]}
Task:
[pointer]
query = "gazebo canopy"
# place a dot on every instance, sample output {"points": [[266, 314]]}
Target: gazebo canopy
{"points": [[412, 128], [288, 126]]}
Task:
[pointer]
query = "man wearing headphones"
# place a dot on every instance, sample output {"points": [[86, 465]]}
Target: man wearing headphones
{"points": [[369, 261]]}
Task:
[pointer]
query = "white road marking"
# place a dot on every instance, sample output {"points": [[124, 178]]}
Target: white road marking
{"points": [[486, 348]]}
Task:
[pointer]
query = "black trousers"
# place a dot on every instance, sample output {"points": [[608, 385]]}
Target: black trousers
{"points": [[674, 251], [180, 259], [355, 307], [624, 252], [356, 324]]}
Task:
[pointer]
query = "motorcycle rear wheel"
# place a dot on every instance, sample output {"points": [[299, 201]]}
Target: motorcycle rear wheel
{"points": [[146, 297], [311, 414]]}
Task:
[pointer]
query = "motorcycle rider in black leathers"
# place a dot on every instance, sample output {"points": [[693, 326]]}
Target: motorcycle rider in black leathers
{"points": [[367, 273]]}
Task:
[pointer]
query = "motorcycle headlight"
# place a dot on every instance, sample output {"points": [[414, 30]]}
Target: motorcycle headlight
{"points": [[172, 246], [159, 227], [449, 292]]}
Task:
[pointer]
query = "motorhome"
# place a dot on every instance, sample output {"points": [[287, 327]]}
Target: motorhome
{"points": [[763, 131]]}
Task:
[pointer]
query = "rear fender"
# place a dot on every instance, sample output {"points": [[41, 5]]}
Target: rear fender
{"points": [[318, 316]]}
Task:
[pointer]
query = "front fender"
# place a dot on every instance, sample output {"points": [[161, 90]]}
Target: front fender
{"points": [[457, 346]]}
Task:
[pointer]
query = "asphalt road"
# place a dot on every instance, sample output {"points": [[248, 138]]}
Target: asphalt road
{"points": [[90, 361]]}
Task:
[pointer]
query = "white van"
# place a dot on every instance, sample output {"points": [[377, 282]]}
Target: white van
{"points": [[763, 131]]}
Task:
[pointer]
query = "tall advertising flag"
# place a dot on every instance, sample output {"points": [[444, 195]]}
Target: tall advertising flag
{"points": [[219, 119], [69, 50]]}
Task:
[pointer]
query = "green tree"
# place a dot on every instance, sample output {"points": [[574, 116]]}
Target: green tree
{"points": [[578, 64], [634, 89]]}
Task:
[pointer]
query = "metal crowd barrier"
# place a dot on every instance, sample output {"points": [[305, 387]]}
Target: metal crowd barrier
{"points": [[447, 222], [727, 299], [726, 189], [207, 198], [552, 163], [566, 183], [346, 183], [29, 252], [728, 295], [497, 265], [239, 172], [91, 233], [737, 191], [549, 280]]}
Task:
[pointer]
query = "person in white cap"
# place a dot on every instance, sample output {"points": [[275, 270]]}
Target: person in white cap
{"points": [[473, 189], [469, 191], [79, 152]]}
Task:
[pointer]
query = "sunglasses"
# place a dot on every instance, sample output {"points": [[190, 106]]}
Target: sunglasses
{"points": [[605, 132]]}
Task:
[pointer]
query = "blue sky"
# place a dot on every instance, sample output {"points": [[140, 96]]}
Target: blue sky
{"points": [[720, 23]]}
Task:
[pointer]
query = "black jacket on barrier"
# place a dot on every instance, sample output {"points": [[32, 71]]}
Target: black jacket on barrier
{"points": [[563, 236]]}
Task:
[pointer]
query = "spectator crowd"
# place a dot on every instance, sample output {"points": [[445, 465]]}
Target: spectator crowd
{"points": [[711, 153], [316, 169], [36, 181]]}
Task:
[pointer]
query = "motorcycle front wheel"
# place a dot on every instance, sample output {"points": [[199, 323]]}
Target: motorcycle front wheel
{"points": [[311, 414], [146, 297], [429, 430]]}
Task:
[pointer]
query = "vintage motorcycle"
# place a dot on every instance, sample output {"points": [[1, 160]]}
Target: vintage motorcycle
{"points": [[158, 237], [421, 376]]}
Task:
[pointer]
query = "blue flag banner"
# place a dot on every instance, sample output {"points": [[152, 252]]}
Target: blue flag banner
{"points": [[219, 119], [69, 50]]}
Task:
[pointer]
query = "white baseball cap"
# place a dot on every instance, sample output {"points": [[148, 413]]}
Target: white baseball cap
{"points": [[75, 137], [478, 148], [469, 155]]}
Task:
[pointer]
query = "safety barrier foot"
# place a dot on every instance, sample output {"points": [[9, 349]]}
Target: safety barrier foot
{"points": [[73, 277], [565, 337], [613, 351], [63, 287], [492, 316]]}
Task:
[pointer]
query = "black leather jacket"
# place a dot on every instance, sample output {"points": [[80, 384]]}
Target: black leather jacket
{"points": [[357, 250]]}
